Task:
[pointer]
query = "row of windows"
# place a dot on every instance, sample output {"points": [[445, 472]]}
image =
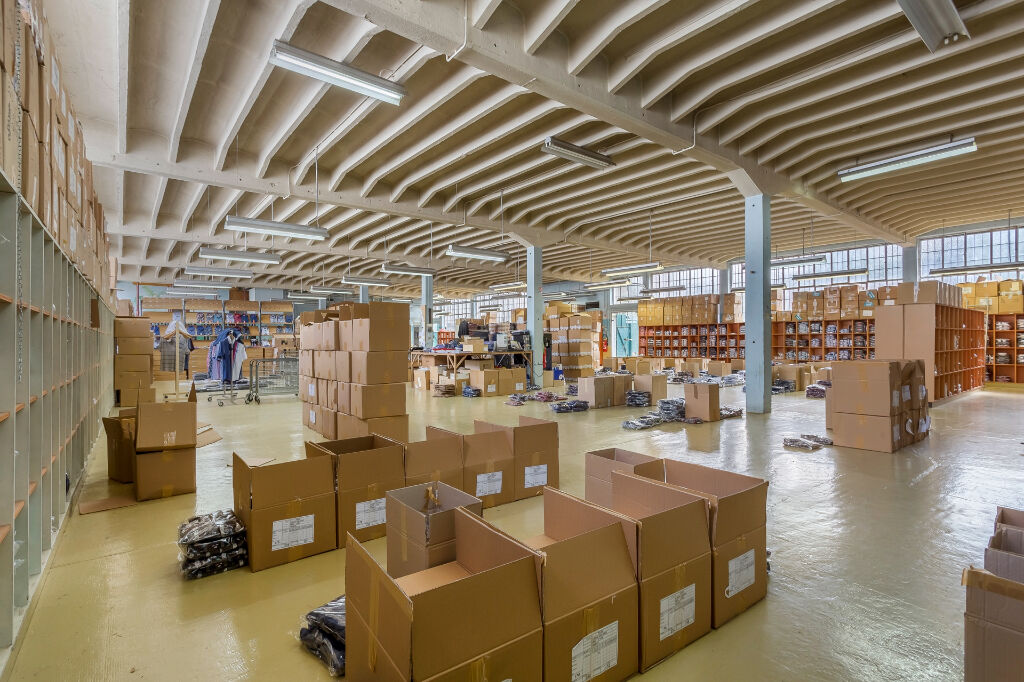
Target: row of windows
{"points": [[977, 250]]}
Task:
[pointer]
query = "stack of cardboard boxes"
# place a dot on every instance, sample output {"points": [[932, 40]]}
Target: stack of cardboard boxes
{"points": [[575, 340], [676, 310], [842, 302], [353, 367], [995, 298], [165, 449], [133, 361], [490, 380], [879, 405], [732, 308]]}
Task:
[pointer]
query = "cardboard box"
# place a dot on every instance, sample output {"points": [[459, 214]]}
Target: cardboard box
{"points": [[1006, 516], [655, 384], [589, 593], [325, 364], [377, 400], [719, 369], [288, 507], [597, 390], [518, 379], [473, 345], [477, 617], [365, 468], [120, 448], [395, 427], [830, 409], [870, 387], [478, 363], [798, 374], [488, 466], [598, 468], [737, 519], [307, 365], [379, 335], [486, 380], [310, 337], [133, 327], [621, 384], [343, 368], [421, 526], [421, 379], [133, 397], [534, 444], [133, 379], [867, 432], [993, 627], [672, 561], [129, 345], [165, 426], [702, 401], [309, 390], [505, 381], [133, 363], [164, 473], [438, 458], [1004, 555], [379, 367]]}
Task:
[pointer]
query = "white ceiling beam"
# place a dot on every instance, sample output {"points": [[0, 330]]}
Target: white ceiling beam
{"points": [[206, 18], [124, 23], [585, 46], [481, 11], [544, 19]]}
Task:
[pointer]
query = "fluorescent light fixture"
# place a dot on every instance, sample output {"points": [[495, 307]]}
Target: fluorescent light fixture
{"points": [[299, 296], [274, 228], [572, 152], [976, 269], [454, 251], [196, 284], [488, 308], [634, 299], [799, 260], [341, 291], [916, 158], [400, 300], [774, 286], [834, 273], [393, 269], [365, 281], [633, 269], [610, 284], [217, 272], [237, 254], [180, 293], [662, 290], [335, 73], [508, 285], [936, 21]]}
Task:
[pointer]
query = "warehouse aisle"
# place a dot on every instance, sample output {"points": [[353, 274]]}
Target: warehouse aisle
{"points": [[867, 550]]}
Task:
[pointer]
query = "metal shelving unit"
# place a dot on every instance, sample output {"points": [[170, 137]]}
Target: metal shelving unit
{"points": [[56, 372]]}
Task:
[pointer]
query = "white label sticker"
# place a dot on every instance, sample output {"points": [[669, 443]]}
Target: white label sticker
{"points": [[741, 573], [535, 476], [312, 416], [922, 391], [896, 433], [909, 426], [312, 389], [596, 653], [906, 393], [678, 611], [520, 386], [488, 484], [370, 513], [292, 532], [74, 239], [492, 388], [895, 398], [170, 438]]}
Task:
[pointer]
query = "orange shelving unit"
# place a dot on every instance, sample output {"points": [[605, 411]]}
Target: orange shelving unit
{"points": [[723, 340], [1004, 348], [826, 340]]}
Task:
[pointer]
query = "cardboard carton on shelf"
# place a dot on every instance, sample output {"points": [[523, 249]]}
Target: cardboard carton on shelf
{"points": [[365, 468], [589, 592], [288, 508], [672, 560], [473, 345], [738, 523], [421, 525], [598, 468], [702, 401], [395, 427], [475, 617], [534, 445], [437, 458]]}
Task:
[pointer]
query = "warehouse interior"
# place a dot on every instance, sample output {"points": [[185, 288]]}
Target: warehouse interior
{"points": [[511, 339]]}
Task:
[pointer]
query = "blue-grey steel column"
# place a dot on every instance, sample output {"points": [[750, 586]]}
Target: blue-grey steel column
{"points": [[756, 307], [910, 269], [724, 287], [364, 293], [427, 301], [535, 311]]}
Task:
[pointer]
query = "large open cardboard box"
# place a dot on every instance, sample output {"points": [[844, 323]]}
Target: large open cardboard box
{"points": [[598, 467], [534, 444], [489, 465], [993, 627], [438, 458], [421, 525]]}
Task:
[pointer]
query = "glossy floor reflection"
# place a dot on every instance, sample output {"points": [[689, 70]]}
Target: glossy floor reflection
{"points": [[867, 550]]}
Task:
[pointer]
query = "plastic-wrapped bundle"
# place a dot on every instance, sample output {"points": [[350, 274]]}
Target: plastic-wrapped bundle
{"points": [[571, 406], [1003, 343], [1002, 358], [638, 399], [211, 543], [693, 420], [672, 409], [324, 635], [547, 397], [815, 391], [470, 392], [572, 389], [732, 380], [827, 383], [517, 399], [643, 422], [730, 412], [786, 385], [800, 443], [820, 440], [444, 390], [1002, 326]]}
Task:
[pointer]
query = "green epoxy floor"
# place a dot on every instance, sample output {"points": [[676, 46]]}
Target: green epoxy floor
{"points": [[867, 550]]}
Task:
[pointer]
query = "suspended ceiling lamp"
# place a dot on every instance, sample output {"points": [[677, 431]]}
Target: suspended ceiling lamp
{"points": [[239, 255], [394, 269], [575, 153], [217, 272], [274, 228], [455, 251], [331, 72], [915, 158], [197, 284]]}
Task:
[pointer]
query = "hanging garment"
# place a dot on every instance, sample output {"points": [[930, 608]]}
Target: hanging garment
{"points": [[238, 359], [167, 353]]}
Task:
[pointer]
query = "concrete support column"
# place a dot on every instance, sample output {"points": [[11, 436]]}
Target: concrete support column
{"points": [[757, 227], [724, 286], [535, 311], [364, 293], [911, 273], [427, 302]]}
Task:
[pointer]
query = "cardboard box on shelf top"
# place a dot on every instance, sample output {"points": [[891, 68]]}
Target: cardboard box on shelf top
{"points": [[421, 525], [477, 616], [738, 523], [288, 508], [589, 590]]}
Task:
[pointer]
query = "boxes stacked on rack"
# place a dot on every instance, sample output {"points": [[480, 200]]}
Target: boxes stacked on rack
{"points": [[732, 308], [1004, 297], [353, 371], [879, 405], [133, 361]]}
